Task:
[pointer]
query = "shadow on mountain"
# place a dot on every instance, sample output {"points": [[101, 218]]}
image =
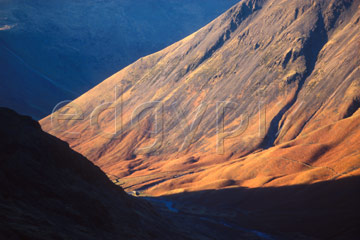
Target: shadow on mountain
{"points": [[324, 210]]}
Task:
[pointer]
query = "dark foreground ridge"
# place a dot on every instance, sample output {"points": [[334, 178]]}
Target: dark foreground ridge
{"points": [[49, 191]]}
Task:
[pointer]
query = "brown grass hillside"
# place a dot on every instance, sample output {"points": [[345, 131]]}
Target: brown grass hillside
{"points": [[290, 69]]}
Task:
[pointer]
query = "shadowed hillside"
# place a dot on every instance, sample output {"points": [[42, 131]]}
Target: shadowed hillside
{"points": [[74, 45], [48, 191]]}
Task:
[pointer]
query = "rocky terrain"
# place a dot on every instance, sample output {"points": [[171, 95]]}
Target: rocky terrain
{"points": [[63, 48], [262, 102]]}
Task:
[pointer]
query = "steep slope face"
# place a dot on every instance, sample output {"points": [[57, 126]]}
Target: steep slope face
{"points": [[48, 191], [76, 44], [266, 78]]}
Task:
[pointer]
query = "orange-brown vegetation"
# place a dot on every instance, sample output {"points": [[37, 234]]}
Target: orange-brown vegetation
{"points": [[292, 68]]}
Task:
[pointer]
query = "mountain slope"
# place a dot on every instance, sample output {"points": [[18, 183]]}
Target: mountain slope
{"points": [[76, 44], [291, 70]]}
